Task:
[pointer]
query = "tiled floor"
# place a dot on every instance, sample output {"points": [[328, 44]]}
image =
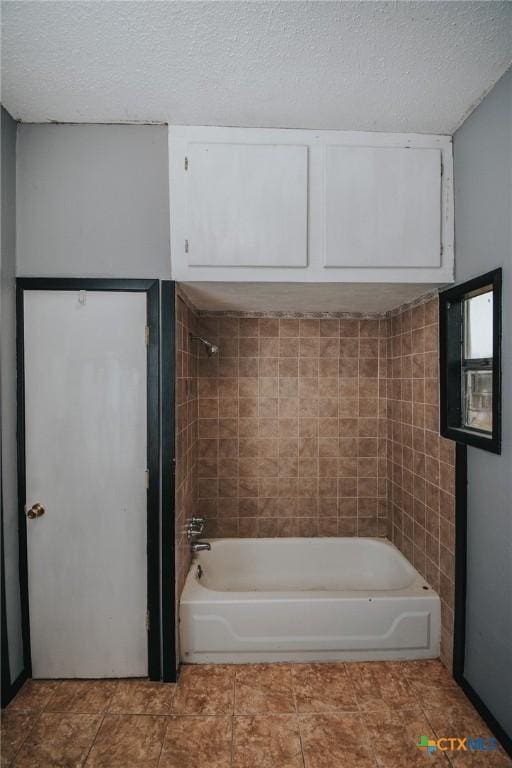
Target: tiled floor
{"points": [[262, 716]]}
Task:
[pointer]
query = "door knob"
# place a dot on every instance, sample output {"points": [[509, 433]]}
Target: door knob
{"points": [[36, 510]]}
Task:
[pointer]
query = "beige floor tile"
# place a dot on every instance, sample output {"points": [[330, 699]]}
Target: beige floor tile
{"points": [[434, 696], [337, 740], [34, 695], [429, 671], [461, 722], [349, 715], [140, 697], [433, 686], [266, 741], [394, 736], [205, 690], [128, 741], [380, 686], [323, 688], [263, 688], [197, 742], [15, 728], [58, 741], [83, 697]]}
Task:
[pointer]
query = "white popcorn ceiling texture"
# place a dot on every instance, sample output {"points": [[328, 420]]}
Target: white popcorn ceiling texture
{"points": [[375, 66]]}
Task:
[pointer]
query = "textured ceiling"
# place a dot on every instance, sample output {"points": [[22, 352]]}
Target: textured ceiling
{"points": [[386, 66]]}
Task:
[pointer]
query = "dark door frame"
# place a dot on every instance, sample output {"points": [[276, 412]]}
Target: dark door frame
{"points": [[449, 364], [152, 290], [460, 602], [168, 394], [9, 688]]}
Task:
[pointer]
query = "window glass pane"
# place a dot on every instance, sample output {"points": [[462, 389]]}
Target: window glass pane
{"points": [[478, 326], [477, 396]]}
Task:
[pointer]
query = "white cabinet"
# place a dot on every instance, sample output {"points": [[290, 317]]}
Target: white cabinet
{"points": [[382, 207], [247, 205], [268, 205]]}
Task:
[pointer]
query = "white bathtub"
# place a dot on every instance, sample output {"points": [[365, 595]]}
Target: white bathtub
{"points": [[306, 599]]}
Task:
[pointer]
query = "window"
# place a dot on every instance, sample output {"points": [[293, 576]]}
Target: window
{"points": [[477, 361], [470, 348]]}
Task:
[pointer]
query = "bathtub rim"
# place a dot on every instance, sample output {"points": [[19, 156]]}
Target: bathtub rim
{"points": [[195, 592]]}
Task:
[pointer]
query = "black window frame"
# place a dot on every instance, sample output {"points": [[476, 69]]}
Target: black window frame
{"points": [[452, 362]]}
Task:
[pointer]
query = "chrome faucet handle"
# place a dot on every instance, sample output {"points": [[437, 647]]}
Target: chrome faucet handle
{"points": [[193, 531], [194, 528], [195, 522]]}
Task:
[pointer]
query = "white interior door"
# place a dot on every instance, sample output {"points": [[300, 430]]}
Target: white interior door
{"points": [[85, 432]]}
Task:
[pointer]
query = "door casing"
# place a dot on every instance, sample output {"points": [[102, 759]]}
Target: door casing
{"points": [[168, 461], [152, 290], [460, 598]]}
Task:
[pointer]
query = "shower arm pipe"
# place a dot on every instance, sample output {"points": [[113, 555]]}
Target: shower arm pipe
{"points": [[211, 349]]}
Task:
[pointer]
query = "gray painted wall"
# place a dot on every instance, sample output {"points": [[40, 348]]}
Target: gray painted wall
{"points": [[90, 201], [483, 235], [93, 201], [8, 394]]}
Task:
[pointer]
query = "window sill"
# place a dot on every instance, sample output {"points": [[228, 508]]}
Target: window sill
{"points": [[473, 438]]}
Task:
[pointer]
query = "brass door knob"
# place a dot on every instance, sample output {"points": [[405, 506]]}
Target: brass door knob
{"points": [[36, 510]]}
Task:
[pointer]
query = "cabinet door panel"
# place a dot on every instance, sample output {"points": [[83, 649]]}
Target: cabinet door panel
{"points": [[247, 205], [382, 207]]}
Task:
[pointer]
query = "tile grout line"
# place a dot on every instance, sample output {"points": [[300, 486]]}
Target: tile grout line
{"points": [[29, 731], [232, 746], [93, 742], [368, 742], [294, 694], [434, 731], [33, 724], [233, 715], [163, 740]]}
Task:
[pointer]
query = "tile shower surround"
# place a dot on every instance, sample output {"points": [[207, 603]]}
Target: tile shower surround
{"points": [[421, 464], [319, 426], [292, 427], [186, 434]]}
